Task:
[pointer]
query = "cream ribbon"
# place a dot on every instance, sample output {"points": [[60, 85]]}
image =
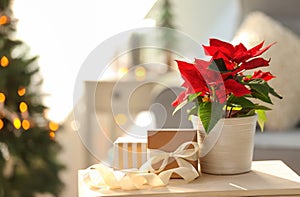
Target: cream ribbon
{"points": [[100, 176], [181, 155]]}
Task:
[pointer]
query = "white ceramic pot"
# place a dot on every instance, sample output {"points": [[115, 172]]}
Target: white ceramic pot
{"points": [[228, 148]]}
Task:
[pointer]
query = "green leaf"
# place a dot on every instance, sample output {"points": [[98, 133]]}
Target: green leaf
{"points": [[192, 97], [261, 107], [261, 97], [210, 114], [261, 90], [240, 101], [261, 119], [251, 113], [272, 91], [204, 112], [256, 107]]}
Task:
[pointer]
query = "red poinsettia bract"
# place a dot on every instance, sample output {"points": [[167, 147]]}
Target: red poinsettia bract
{"points": [[199, 78]]}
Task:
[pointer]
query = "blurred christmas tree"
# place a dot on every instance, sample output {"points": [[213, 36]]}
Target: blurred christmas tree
{"points": [[28, 150], [166, 16], [166, 19]]}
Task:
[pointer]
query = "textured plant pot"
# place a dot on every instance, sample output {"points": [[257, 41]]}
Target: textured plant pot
{"points": [[228, 149]]}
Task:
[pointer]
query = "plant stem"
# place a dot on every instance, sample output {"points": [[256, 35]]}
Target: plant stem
{"points": [[229, 112]]}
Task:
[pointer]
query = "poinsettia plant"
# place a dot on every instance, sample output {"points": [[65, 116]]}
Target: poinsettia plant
{"points": [[223, 87]]}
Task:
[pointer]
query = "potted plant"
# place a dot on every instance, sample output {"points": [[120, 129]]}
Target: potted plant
{"points": [[225, 94]]}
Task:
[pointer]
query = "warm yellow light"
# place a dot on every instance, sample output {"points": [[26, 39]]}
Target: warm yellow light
{"points": [[25, 124], [3, 20], [1, 124], [140, 72], [122, 71], [121, 119], [52, 134], [53, 126], [21, 91], [4, 61], [17, 123], [2, 97], [23, 107]]}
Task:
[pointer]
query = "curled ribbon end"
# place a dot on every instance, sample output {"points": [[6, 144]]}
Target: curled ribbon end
{"points": [[146, 175]]}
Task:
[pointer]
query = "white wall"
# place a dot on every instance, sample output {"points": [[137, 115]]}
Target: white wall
{"points": [[203, 19], [64, 32]]}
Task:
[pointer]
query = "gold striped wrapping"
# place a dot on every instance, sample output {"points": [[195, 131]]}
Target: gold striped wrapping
{"points": [[129, 152]]}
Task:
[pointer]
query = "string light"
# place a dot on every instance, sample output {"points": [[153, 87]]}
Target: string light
{"points": [[3, 20], [140, 73], [122, 71], [1, 124], [2, 97], [4, 61], [21, 91], [17, 123], [25, 124], [52, 134], [53, 126], [23, 107]]}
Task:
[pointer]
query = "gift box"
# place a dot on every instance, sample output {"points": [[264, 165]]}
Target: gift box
{"points": [[129, 152], [168, 140]]}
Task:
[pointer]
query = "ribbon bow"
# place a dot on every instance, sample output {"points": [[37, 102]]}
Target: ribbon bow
{"points": [[185, 169], [100, 176]]}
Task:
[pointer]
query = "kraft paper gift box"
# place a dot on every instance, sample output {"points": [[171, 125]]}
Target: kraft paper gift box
{"points": [[168, 140], [129, 152]]}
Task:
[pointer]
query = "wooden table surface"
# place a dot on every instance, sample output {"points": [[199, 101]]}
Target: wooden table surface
{"points": [[267, 178]]}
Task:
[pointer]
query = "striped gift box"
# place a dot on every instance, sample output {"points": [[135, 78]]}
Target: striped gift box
{"points": [[129, 152]]}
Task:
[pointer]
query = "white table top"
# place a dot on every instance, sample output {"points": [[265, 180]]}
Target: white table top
{"points": [[266, 178]]}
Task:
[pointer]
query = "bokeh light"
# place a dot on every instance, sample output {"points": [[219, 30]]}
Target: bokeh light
{"points": [[140, 73], [3, 20], [23, 107], [1, 124], [25, 124], [53, 126], [21, 91], [52, 134], [17, 123], [4, 61], [122, 71], [121, 119], [2, 97]]}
